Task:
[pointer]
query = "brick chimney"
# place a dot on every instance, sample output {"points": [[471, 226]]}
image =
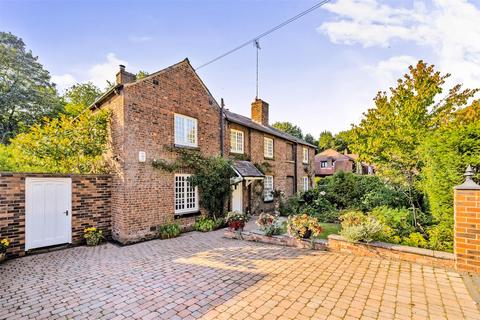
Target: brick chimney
{"points": [[123, 76], [260, 112]]}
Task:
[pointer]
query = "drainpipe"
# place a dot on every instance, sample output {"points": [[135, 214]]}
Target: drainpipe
{"points": [[295, 172], [222, 127]]}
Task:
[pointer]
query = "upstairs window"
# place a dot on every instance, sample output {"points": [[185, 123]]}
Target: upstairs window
{"points": [[185, 131], [268, 148], [268, 188], [236, 141], [323, 164], [306, 183], [186, 195], [305, 155]]}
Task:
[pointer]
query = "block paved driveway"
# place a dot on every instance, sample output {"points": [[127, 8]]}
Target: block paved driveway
{"points": [[207, 277]]}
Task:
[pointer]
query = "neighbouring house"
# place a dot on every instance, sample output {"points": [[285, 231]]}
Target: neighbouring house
{"points": [[170, 109], [330, 161]]}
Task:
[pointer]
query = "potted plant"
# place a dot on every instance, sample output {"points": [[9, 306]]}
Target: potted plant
{"points": [[236, 220], [303, 226], [93, 236], [4, 243], [268, 223]]}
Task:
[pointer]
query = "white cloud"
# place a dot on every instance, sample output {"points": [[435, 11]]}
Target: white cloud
{"points": [[449, 28], [388, 71], [63, 81], [100, 73]]}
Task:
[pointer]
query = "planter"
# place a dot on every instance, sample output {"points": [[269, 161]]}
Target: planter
{"points": [[3, 257], [92, 242], [308, 234], [236, 225]]}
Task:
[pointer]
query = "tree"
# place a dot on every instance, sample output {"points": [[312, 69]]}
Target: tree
{"points": [[141, 74], [390, 134], [289, 128], [63, 144], [26, 93], [79, 97], [326, 141], [310, 139]]}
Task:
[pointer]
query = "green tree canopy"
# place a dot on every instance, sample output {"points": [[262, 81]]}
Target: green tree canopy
{"points": [[337, 142], [326, 141], [79, 97], [310, 139], [289, 128], [26, 92], [391, 133]]}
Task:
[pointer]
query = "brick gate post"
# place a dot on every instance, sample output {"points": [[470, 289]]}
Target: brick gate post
{"points": [[467, 225]]}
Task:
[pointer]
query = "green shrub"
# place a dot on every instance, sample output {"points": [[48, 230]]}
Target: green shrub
{"points": [[168, 231], [441, 237], [415, 239], [357, 226], [205, 224], [303, 226], [399, 220]]}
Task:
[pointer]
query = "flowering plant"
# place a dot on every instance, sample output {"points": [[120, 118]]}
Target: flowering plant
{"points": [[4, 244], [93, 236], [303, 226], [268, 223], [236, 220]]}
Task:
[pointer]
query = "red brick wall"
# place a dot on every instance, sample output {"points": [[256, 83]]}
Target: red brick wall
{"points": [[91, 206], [144, 121], [467, 229], [281, 166]]}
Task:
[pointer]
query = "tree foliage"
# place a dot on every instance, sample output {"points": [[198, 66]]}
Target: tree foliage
{"points": [[63, 144], [289, 128], [79, 97], [26, 93], [310, 139], [391, 133], [337, 142]]}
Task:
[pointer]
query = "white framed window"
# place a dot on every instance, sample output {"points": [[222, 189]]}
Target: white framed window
{"points": [[236, 141], [186, 195], [268, 188], [306, 183], [305, 155], [267, 147], [323, 164], [185, 131]]}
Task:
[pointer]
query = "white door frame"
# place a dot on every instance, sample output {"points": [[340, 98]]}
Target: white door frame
{"points": [[29, 209]]}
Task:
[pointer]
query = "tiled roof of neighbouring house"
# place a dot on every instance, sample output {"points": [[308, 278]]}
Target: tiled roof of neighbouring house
{"points": [[247, 122], [246, 169]]}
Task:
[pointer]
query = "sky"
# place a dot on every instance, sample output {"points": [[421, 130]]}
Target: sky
{"points": [[320, 72]]}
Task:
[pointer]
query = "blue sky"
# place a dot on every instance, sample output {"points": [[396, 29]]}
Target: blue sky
{"points": [[320, 72]]}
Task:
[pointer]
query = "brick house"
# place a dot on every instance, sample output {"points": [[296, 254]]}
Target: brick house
{"points": [[173, 108], [330, 161]]}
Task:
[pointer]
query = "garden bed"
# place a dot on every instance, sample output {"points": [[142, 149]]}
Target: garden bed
{"points": [[337, 243], [282, 240]]}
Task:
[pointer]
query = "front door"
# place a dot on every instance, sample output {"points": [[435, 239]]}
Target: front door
{"points": [[48, 212], [237, 197]]}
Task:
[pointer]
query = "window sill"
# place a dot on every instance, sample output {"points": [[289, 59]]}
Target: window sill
{"points": [[181, 146], [290, 161], [267, 201], [237, 153], [187, 214]]}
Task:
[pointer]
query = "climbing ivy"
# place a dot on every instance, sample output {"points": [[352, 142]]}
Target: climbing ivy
{"points": [[210, 174]]}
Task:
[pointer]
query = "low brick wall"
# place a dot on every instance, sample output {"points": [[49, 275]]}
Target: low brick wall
{"points": [[281, 240], [91, 206], [392, 251]]}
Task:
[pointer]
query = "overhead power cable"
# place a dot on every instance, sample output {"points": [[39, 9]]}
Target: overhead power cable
{"points": [[266, 33]]}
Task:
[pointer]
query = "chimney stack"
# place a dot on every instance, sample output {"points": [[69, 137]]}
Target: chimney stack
{"points": [[260, 112], [123, 76]]}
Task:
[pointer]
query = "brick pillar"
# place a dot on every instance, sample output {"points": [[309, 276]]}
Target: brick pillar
{"points": [[467, 225]]}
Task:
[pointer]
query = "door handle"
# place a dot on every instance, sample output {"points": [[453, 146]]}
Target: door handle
{"points": [[66, 212]]}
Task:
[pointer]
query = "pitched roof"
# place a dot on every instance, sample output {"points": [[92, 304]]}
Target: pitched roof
{"points": [[246, 169], [247, 122]]}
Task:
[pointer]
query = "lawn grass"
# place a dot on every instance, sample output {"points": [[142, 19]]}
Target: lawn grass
{"points": [[328, 228]]}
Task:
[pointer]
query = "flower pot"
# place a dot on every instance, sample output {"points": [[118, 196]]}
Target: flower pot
{"points": [[91, 242], [307, 234], [3, 257], [236, 225]]}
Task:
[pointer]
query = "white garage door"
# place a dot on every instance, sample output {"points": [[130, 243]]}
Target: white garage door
{"points": [[48, 212]]}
